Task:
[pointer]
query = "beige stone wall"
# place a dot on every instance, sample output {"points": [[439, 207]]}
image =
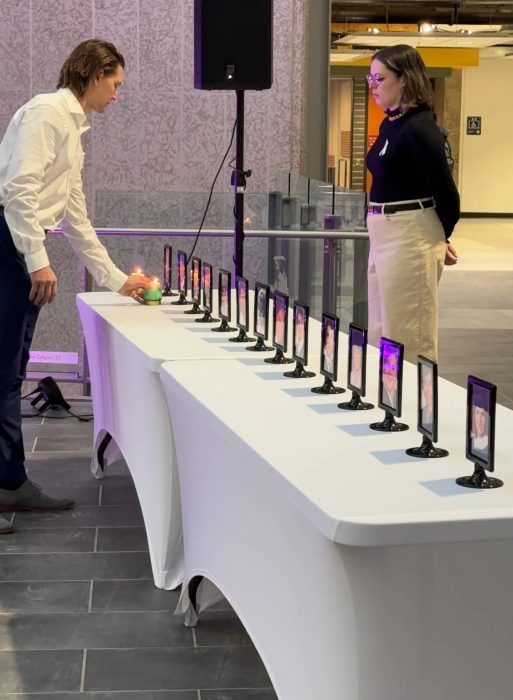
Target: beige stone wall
{"points": [[163, 138], [162, 135]]}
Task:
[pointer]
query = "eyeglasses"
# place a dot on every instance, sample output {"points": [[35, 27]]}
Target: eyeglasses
{"points": [[374, 80]]}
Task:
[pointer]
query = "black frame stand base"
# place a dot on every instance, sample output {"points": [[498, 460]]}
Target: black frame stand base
{"points": [[427, 450], [207, 318], [223, 328], [169, 293], [388, 425], [243, 337], [328, 388], [259, 346], [299, 372], [182, 301], [195, 309], [356, 404], [479, 480], [278, 359]]}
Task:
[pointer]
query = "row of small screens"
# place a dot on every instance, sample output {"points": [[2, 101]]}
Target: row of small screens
{"points": [[481, 395]]}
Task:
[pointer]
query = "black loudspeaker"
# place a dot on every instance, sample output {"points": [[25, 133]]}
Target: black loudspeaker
{"points": [[233, 44]]}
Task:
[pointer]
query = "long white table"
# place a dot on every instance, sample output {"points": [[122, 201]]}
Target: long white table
{"points": [[359, 572], [126, 345]]}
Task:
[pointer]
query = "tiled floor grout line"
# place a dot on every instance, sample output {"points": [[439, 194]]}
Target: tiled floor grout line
{"points": [[82, 675], [194, 641], [95, 548], [90, 603], [100, 495], [199, 694], [34, 445]]}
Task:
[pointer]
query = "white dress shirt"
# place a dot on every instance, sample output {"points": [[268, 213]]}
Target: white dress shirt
{"points": [[41, 160]]}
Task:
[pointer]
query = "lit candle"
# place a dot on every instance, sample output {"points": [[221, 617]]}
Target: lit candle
{"points": [[153, 295]]}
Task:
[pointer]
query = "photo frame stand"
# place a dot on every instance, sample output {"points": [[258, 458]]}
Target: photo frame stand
{"points": [[328, 388], [207, 318], [166, 292], [479, 480], [356, 404], [195, 309], [299, 372], [427, 450], [182, 300], [243, 337], [279, 358], [388, 425], [223, 328], [259, 346]]}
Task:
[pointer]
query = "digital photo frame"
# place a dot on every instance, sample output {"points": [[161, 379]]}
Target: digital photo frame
{"points": [[280, 328], [206, 284], [166, 281], [427, 410], [329, 355], [224, 292], [181, 268], [300, 325], [480, 434], [391, 354], [356, 369], [261, 317], [195, 287], [242, 310]]}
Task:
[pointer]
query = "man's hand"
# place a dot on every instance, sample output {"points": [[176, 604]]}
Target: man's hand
{"points": [[44, 286], [133, 286], [451, 256]]}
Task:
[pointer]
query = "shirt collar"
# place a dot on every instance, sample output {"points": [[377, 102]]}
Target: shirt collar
{"points": [[75, 109]]}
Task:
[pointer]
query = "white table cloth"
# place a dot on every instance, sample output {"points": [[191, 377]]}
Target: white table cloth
{"points": [[126, 344], [359, 572]]}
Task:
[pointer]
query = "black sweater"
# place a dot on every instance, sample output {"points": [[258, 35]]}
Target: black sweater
{"points": [[408, 161]]}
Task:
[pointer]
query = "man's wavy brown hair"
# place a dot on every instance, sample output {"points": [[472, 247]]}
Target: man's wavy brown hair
{"points": [[87, 61]]}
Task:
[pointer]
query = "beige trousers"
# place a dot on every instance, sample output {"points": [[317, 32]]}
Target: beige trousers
{"points": [[407, 253]]}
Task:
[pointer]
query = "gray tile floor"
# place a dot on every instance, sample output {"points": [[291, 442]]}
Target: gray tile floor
{"points": [[79, 615]]}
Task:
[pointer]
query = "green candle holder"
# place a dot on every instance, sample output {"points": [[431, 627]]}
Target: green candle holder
{"points": [[153, 295]]}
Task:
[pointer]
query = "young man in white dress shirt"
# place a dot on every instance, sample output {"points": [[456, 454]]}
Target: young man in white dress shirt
{"points": [[41, 160]]}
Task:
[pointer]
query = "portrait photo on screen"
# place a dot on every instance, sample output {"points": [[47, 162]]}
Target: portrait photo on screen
{"points": [[391, 354], [224, 294], [206, 273], [182, 273], [168, 253], [481, 399], [242, 303], [329, 345], [300, 330], [195, 275], [261, 310], [427, 408], [280, 318], [357, 358]]}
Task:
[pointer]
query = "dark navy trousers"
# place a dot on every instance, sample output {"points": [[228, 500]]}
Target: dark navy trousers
{"points": [[18, 318]]}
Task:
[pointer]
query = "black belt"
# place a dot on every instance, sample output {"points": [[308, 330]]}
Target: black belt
{"points": [[406, 206]]}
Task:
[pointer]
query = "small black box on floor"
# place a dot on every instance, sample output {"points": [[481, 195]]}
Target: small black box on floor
{"points": [[233, 44]]}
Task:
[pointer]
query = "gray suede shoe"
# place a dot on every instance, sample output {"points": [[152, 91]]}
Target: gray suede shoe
{"points": [[30, 497], [5, 526]]}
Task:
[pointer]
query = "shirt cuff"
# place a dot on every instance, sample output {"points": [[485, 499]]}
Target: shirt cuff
{"points": [[36, 261], [116, 280]]}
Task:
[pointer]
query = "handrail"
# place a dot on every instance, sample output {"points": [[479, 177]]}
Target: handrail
{"points": [[227, 233]]}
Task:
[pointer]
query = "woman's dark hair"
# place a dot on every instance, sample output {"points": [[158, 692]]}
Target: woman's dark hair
{"points": [[405, 62], [86, 61]]}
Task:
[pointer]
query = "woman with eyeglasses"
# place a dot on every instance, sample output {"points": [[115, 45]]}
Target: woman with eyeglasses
{"points": [[413, 206]]}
